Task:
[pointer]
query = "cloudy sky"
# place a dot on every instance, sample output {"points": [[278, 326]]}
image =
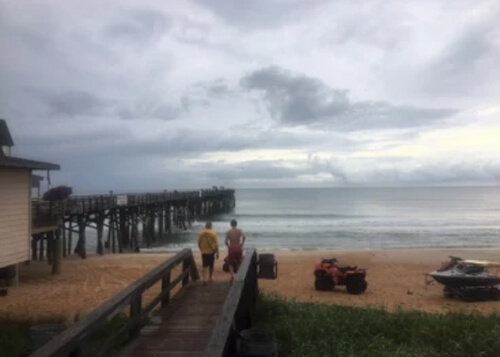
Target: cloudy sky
{"points": [[130, 95]]}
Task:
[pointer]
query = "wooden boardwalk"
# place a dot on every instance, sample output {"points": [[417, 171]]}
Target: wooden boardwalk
{"points": [[195, 320], [185, 326]]}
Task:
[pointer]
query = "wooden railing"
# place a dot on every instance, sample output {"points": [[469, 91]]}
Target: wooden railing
{"points": [[89, 203], [77, 335], [237, 310]]}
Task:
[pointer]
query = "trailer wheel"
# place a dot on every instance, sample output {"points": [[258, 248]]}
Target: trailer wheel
{"points": [[356, 285], [323, 282]]}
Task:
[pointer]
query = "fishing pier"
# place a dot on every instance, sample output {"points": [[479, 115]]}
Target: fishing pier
{"points": [[123, 222]]}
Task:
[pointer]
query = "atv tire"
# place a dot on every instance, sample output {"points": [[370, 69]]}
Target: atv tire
{"points": [[356, 285], [323, 282]]}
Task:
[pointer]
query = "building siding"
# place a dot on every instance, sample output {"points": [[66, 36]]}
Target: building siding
{"points": [[15, 216]]}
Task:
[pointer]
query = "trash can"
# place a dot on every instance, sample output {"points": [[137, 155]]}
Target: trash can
{"points": [[268, 266], [255, 343]]}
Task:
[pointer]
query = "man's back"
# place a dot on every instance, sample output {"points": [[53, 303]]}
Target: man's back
{"points": [[234, 236], [207, 241]]}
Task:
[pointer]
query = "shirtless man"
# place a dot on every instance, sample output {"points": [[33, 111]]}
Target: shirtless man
{"points": [[235, 239]]}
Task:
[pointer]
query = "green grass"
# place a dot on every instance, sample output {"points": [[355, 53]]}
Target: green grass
{"points": [[312, 329], [14, 335]]}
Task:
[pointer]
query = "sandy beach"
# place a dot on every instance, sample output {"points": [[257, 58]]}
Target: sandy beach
{"points": [[395, 278]]}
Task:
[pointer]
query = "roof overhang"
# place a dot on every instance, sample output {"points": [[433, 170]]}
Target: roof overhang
{"points": [[17, 162]]}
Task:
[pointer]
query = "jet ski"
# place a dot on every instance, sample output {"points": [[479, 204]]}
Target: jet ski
{"points": [[468, 279]]}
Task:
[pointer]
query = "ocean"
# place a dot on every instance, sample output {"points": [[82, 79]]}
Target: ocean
{"points": [[358, 219]]}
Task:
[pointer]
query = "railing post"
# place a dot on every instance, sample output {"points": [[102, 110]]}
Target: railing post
{"points": [[255, 280], [194, 271], [135, 312], [185, 266], [165, 284]]}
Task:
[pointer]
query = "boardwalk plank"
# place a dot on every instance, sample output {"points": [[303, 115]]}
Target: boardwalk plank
{"points": [[185, 326]]}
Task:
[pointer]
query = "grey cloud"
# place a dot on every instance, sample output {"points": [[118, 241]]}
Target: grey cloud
{"points": [[198, 95], [474, 46], [152, 111], [258, 13], [436, 173], [71, 102], [469, 64], [369, 33], [139, 26], [301, 100], [182, 144], [216, 87], [251, 170], [333, 167]]}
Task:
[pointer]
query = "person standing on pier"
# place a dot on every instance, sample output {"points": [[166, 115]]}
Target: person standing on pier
{"points": [[208, 242], [235, 239]]}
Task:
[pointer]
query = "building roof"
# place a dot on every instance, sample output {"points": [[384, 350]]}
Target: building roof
{"points": [[5, 138], [9, 161]]}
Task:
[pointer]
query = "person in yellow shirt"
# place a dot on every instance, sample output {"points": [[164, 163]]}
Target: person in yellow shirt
{"points": [[208, 243]]}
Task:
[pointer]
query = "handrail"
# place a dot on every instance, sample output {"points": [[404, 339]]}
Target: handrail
{"points": [[236, 311], [70, 339], [109, 201], [48, 213]]}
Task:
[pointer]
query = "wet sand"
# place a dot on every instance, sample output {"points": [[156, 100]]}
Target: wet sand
{"points": [[395, 280]]}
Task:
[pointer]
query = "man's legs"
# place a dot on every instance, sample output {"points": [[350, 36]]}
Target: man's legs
{"points": [[210, 272], [208, 264], [234, 259], [204, 264]]}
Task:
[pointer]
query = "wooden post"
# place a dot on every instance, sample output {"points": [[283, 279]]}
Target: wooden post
{"points": [[80, 248], [50, 247], [183, 217], [58, 253], [70, 236], [41, 246], [118, 237], [12, 272], [145, 231], [165, 282], [100, 230], [135, 231], [126, 230], [121, 230], [34, 246], [63, 231], [107, 244], [168, 220], [185, 266], [135, 312], [160, 221], [152, 226], [112, 230]]}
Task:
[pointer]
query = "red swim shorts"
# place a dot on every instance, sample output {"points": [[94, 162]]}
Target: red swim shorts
{"points": [[235, 256]]}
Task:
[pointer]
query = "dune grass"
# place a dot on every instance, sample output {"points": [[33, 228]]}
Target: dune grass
{"points": [[15, 335], [313, 329]]}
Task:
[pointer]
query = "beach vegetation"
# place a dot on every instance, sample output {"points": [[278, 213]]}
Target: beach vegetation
{"points": [[315, 329], [16, 339]]}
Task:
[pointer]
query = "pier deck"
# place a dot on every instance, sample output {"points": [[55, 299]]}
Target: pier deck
{"points": [[123, 222]]}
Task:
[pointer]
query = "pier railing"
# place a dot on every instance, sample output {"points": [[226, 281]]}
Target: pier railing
{"points": [[47, 213], [237, 310], [77, 336]]}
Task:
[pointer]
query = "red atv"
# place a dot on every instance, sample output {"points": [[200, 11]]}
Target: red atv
{"points": [[328, 274]]}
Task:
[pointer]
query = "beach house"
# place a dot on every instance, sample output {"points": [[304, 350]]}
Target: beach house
{"points": [[15, 205]]}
